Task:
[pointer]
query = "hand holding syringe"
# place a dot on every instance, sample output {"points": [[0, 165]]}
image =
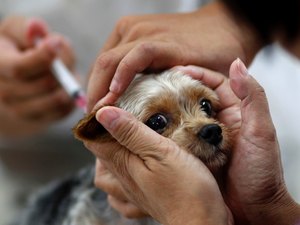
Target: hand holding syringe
{"points": [[68, 82]]}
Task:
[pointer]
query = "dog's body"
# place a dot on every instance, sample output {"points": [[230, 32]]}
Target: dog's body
{"points": [[172, 104], [75, 201]]}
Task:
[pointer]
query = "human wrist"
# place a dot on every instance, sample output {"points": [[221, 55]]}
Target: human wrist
{"points": [[199, 214], [197, 221], [245, 34], [292, 46], [287, 213], [284, 211]]}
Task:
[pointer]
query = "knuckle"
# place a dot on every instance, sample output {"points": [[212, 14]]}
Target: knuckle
{"points": [[268, 135], [16, 73], [262, 132], [136, 31], [120, 162], [15, 112], [94, 147], [124, 24], [44, 55], [129, 213], [260, 139], [89, 145], [105, 60], [119, 166], [98, 181], [147, 47], [4, 96], [260, 90], [125, 65], [128, 133], [166, 146], [105, 183], [146, 29], [271, 136], [67, 54]]}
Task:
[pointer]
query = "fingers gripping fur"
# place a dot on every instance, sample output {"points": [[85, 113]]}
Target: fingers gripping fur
{"points": [[127, 131], [89, 128]]}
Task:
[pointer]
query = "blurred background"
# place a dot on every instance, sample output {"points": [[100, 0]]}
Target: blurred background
{"points": [[27, 163]]}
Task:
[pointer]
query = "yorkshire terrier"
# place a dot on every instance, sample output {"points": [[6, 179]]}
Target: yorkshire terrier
{"points": [[171, 103]]}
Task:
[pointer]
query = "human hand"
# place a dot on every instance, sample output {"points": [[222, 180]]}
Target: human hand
{"points": [[165, 181], [256, 191], [229, 114], [117, 199], [30, 96], [208, 37]]}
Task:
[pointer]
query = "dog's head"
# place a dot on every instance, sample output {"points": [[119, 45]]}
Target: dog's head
{"points": [[177, 107]]}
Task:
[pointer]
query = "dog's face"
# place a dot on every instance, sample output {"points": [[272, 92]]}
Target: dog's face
{"points": [[177, 107]]}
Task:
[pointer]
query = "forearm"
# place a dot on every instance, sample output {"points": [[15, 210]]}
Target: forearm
{"points": [[292, 46], [226, 37], [248, 37], [264, 18]]}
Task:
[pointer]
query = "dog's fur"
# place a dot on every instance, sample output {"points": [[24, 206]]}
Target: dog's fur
{"points": [[171, 103]]}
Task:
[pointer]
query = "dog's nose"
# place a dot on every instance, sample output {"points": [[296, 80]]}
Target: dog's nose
{"points": [[211, 133]]}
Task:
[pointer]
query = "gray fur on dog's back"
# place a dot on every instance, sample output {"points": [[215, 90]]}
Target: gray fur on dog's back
{"points": [[75, 201]]}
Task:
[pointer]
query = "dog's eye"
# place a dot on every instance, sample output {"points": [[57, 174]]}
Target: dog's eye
{"points": [[206, 106], [157, 122]]}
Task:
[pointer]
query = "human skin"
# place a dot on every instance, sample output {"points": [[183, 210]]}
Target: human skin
{"points": [[140, 43], [30, 96], [166, 169], [158, 42], [255, 192]]}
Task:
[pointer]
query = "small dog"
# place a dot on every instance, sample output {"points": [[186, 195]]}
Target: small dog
{"points": [[172, 104]]}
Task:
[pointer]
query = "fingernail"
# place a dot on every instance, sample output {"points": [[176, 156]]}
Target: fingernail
{"points": [[107, 117], [241, 67], [107, 100], [115, 86], [189, 69], [238, 75], [35, 29], [178, 68]]}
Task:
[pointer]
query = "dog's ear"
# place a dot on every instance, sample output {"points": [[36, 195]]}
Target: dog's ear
{"points": [[89, 128]]}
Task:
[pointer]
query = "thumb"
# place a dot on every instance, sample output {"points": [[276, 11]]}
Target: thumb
{"points": [[24, 31], [133, 134], [256, 118]]}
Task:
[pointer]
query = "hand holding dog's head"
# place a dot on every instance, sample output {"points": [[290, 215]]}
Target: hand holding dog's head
{"points": [[175, 106]]}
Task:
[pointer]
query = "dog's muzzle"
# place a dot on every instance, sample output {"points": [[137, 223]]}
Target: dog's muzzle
{"points": [[211, 133]]}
